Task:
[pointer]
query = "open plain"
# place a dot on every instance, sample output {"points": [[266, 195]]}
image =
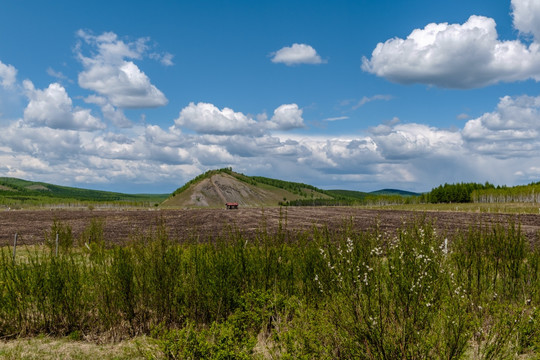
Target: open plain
{"points": [[122, 225]]}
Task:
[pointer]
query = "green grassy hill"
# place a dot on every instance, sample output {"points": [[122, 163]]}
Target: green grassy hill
{"points": [[349, 194], [216, 187], [15, 191]]}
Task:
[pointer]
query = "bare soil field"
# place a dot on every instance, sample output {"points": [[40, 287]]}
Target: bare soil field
{"points": [[122, 225]]}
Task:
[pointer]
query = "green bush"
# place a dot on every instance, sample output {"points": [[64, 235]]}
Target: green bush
{"points": [[317, 294]]}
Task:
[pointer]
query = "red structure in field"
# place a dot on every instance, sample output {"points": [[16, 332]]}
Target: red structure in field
{"points": [[231, 205]]}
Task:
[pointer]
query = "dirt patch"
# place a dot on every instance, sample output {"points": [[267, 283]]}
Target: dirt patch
{"points": [[121, 225], [38, 187]]}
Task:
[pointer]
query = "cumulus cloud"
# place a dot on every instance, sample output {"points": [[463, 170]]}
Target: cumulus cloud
{"points": [[8, 74], [392, 154], [44, 144], [407, 141], [297, 54], [526, 15], [52, 107], [286, 117], [115, 115], [339, 155], [206, 118], [108, 73], [512, 129], [463, 56]]}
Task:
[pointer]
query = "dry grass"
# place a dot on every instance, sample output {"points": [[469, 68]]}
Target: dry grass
{"points": [[493, 208], [46, 348]]}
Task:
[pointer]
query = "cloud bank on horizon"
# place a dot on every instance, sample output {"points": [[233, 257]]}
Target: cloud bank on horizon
{"points": [[93, 138]]}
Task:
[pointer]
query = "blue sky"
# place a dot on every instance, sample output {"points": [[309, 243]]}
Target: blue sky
{"points": [[143, 96]]}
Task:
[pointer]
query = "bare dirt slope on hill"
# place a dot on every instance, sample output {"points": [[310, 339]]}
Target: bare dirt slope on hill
{"points": [[220, 188], [121, 225]]}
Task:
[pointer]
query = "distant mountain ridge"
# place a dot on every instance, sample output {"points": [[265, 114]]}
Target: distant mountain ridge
{"points": [[394, 192]]}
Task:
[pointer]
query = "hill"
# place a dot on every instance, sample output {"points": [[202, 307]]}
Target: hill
{"points": [[348, 194], [394, 192], [15, 191], [217, 187], [214, 188]]}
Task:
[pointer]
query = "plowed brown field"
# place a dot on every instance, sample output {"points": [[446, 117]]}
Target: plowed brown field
{"points": [[121, 225]]}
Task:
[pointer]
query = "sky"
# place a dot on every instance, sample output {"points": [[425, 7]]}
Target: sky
{"points": [[142, 96]]}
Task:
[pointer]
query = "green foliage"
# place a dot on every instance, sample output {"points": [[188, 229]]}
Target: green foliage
{"points": [[293, 187], [319, 294], [92, 234], [16, 192], [454, 193], [234, 338], [63, 233], [348, 194], [208, 174]]}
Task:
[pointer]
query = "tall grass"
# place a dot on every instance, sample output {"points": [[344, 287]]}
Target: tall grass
{"points": [[410, 294]]}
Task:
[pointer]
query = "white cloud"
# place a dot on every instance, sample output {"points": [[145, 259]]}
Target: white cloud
{"points": [[206, 118], [407, 141], [286, 117], [46, 144], [56, 74], [52, 107], [336, 118], [411, 156], [297, 54], [165, 58], [340, 155], [157, 136], [366, 100], [109, 74], [526, 15], [8, 75], [512, 130], [115, 115], [455, 56], [212, 155]]}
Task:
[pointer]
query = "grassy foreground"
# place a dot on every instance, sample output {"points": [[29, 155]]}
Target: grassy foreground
{"points": [[413, 294]]}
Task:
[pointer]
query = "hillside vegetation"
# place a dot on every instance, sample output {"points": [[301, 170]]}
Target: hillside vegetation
{"points": [[16, 192], [214, 188]]}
